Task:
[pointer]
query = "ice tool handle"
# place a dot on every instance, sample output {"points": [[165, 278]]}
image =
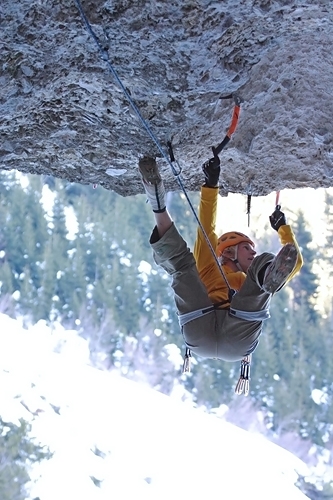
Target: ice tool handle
{"points": [[214, 163], [233, 124]]}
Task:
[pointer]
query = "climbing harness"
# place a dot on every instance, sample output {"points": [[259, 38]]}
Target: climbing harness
{"points": [[261, 315], [198, 313], [242, 386]]}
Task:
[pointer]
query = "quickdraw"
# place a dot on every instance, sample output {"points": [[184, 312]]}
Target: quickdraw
{"points": [[243, 384]]}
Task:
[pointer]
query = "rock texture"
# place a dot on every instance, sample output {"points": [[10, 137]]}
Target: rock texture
{"points": [[63, 113]]}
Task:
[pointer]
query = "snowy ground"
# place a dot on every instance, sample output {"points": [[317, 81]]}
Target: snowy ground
{"points": [[149, 445]]}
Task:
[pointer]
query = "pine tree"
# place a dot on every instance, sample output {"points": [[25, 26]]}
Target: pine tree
{"points": [[12, 230], [22, 235], [6, 278], [48, 287], [28, 302], [273, 359], [305, 284], [53, 295], [17, 454], [183, 216], [300, 366], [329, 225]]}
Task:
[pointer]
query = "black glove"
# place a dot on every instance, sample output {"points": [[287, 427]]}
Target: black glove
{"points": [[211, 169], [277, 219]]}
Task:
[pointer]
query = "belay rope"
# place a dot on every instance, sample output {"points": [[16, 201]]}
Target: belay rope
{"points": [[176, 172], [243, 383]]}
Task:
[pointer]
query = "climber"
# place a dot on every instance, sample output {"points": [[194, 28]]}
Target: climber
{"points": [[214, 322]]}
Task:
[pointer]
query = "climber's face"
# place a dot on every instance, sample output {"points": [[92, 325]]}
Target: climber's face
{"points": [[245, 255]]}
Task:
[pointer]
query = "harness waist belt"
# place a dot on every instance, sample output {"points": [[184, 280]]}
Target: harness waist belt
{"points": [[245, 315]]}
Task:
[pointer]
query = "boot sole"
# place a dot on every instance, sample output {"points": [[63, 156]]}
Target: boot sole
{"points": [[149, 171], [280, 269]]}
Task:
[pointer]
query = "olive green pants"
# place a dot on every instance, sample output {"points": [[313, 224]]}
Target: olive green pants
{"points": [[218, 334]]}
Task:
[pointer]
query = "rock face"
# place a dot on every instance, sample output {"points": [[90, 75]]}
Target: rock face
{"points": [[64, 113]]}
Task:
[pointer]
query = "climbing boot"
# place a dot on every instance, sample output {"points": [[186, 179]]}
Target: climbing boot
{"points": [[153, 184], [280, 268]]}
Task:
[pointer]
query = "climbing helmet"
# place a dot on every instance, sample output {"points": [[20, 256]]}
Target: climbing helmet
{"points": [[231, 239]]}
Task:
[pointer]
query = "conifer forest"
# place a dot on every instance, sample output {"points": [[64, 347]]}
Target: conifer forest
{"points": [[102, 282]]}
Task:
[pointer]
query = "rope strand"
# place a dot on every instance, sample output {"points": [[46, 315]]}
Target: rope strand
{"points": [[105, 56]]}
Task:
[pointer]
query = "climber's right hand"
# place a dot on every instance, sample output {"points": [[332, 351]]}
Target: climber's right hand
{"points": [[211, 169]]}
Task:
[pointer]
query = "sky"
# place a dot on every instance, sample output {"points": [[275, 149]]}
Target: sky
{"points": [[232, 212], [149, 445]]}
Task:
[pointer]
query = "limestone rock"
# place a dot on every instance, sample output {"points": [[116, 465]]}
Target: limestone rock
{"points": [[63, 112]]}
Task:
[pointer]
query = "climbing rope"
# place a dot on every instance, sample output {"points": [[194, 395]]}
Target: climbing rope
{"points": [[176, 172]]}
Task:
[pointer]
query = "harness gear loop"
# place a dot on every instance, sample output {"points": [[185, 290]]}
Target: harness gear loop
{"points": [[187, 361], [243, 384]]}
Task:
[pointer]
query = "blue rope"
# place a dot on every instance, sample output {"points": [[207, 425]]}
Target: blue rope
{"points": [[105, 57]]}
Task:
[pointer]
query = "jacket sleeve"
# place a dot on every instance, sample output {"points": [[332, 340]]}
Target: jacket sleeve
{"points": [[207, 216], [286, 235]]}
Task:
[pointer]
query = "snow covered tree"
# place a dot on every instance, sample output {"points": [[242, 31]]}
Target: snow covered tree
{"points": [[17, 454]]}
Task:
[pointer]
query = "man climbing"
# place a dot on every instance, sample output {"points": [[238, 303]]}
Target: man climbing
{"points": [[215, 321]]}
